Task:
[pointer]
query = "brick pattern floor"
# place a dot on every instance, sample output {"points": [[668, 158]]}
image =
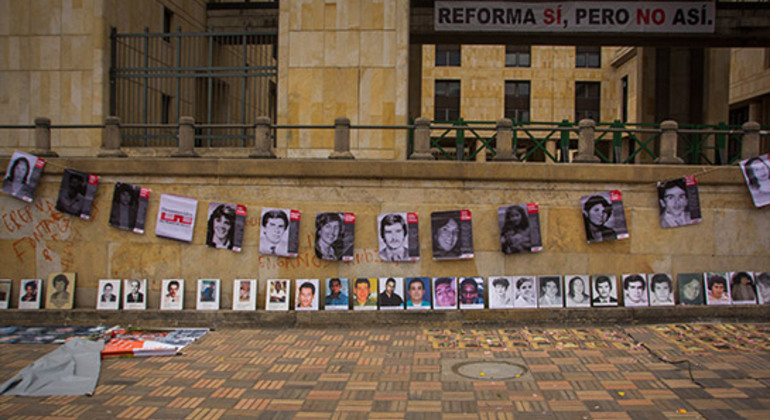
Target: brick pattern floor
{"points": [[405, 373]]}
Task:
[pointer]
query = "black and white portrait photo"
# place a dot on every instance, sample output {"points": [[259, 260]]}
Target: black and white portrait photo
{"points": [[578, 291], [519, 228], [72, 193], [763, 287], [525, 292], [691, 290], [129, 207], [109, 295], [134, 291], [550, 292], [661, 289], [398, 237], [605, 293], [334, 236], [452, 233], [220, 228], [635, 290], [604, 217], [742, 291], [756, 172], [5, 293], [679, 202], [500, 292], [274, 232], [22, 175]]}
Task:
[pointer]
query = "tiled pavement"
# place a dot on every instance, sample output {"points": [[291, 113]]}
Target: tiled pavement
{"points": [[406, 373]]}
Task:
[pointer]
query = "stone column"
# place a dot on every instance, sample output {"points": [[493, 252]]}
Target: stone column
{"points": [[750, 143], [668, 139], [421, 140], [43, 138], [186, 138], [262, 144], [111, 139], [504, 140], [586, 149], [341, 139]]}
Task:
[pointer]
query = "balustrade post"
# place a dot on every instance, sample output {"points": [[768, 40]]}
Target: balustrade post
{"points": [[750, 140], [262, 143], [586, 148], [421, 140], [186, 147], [111, 139], [504, 140], [668, 140], [43, 138], [341, 139]]}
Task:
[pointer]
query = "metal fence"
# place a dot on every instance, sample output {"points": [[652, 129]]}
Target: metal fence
{"points": [[217, 78]]}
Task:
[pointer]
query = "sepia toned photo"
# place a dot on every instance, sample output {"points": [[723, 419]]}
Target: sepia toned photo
{"points": [[742, 288], [61, 291]]}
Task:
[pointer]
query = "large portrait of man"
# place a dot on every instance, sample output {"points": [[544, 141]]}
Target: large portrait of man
{"points": [[398, 237], [274, 233], [679, 202]]}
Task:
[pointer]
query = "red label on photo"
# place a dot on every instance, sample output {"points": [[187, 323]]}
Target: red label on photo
{"points": [[144, 193], [294, 215], [465, 215], [40, 163], [240, 210], [615, 195], [532, 208], [350, 218], [690, 181], [93, 179], [411, 218], [176, 218]]}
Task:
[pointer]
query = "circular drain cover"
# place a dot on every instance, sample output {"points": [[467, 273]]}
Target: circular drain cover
{"points": [[492, 371]]}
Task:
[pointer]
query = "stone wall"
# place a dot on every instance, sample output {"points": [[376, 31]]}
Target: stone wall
{"points": [[36, 240]]}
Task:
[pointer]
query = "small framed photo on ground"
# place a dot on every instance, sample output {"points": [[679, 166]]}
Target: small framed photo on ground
{"points": [[763, 287], [604, 290], [520, 228], [635, 290], [604, 216], [445, 292], [277, 296], [21, 177], [500, 292], [279, 232], [5, 293], [134, 291], [452, 233], [208, 295], [756, 172], [717, 288], [742, 291], [306, 298], [661, 289], [335, 236], [109, 295], [337, 296], [471, 291], [76, 194], [398, 236], [224, 229], [418, 293], [172, 295], [578, 291], [391, 293], [691, 290], [129, 207], [61, 291], [679, 202], [525, 292], [30, 294], [365, 294], [551, 294], [244, 294]]}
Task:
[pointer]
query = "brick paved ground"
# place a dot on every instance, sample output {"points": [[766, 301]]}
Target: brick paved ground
{"points": [[406, 373]]}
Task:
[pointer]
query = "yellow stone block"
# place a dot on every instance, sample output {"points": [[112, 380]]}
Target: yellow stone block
{"points": [[307, 49], [373, 14], [46, 18], [341, 48], [378, 48], [76, 52]]}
